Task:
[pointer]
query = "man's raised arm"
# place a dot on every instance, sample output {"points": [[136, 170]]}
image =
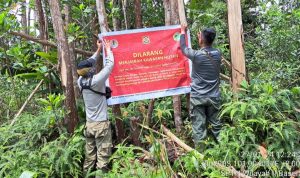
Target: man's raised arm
{"points": [[188, 52], [96, 55], [108, 66]]}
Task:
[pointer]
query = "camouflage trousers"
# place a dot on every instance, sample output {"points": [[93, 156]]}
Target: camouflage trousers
{"points": [[204, 112], [98, 145]]}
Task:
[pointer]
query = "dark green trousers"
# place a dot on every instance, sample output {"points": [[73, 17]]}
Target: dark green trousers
{"points": [[204, 112]]}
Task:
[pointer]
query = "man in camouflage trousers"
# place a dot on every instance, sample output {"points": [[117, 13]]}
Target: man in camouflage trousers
{"points": [[205, 94], [97, 130]]}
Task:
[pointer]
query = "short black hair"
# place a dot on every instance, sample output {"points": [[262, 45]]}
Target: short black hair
{"points": [[208, 34]]}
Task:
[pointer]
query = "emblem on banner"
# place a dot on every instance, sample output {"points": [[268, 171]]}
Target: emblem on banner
{"points": [[114, 43], [176, 36], [146, 40]]}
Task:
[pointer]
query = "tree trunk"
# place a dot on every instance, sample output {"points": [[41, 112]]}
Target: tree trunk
{"points": [[235, 27], [172, 18], [46, 25], [167, 7], [116, 110], [138, 13], [181, 11], [115, 18], [183, 21], [64, 53], [68, 20], [24, 17], [174, 12], [102, 15], [28, 18], [102, 19], [135, 131], [124, 7], [41, 20], [150, 112]]}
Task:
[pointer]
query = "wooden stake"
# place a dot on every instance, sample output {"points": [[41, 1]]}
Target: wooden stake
{"points": [[26, 102], [236, 43]]}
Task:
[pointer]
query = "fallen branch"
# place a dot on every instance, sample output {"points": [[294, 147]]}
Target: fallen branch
{"points": [[152, 130], [26, 102], [225, 77], [232, 170], [47, 43], [226, 62]]}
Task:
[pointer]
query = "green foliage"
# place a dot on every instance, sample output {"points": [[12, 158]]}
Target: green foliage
{"points": [[264, 114], [33, 144], [261, 115], [13, 93], [276, 45]]}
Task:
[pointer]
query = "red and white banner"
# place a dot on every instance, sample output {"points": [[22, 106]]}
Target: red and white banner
{"points": [[148, 64]]}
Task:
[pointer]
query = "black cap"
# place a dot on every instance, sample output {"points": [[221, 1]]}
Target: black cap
{"points": [[85, 64]]}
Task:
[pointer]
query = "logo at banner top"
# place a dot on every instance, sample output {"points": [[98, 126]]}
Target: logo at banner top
{"points": [[146, 40], [114, 43], [176, 36]]}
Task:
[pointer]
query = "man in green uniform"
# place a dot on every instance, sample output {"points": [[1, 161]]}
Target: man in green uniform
{"points": [[205, 94]]}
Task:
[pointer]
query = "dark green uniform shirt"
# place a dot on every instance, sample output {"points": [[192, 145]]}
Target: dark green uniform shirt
{"points": [[205, 73]]}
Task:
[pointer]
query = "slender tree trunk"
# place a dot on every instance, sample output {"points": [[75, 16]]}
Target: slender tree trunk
{"points": [[68, 20], [46, 25], [150, 112], [28, 18], [102, 15], [124, 7], [172, 18], [24, 17], [183, 21], [95, 29], [64, 53], [102, 19], [115, 18], [116, 108], [167, 7], [138, 13], [41, 20]]}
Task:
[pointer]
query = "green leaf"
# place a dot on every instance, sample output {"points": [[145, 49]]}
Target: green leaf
{"points": [[51, 56], [244, 84], [232, 112], [81, 6], [243, 108]]}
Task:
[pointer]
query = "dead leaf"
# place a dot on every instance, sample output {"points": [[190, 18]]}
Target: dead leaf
{"points": [[263, 151]]}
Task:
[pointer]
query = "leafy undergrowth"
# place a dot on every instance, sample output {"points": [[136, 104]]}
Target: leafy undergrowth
{"points": [[260, 136]]}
